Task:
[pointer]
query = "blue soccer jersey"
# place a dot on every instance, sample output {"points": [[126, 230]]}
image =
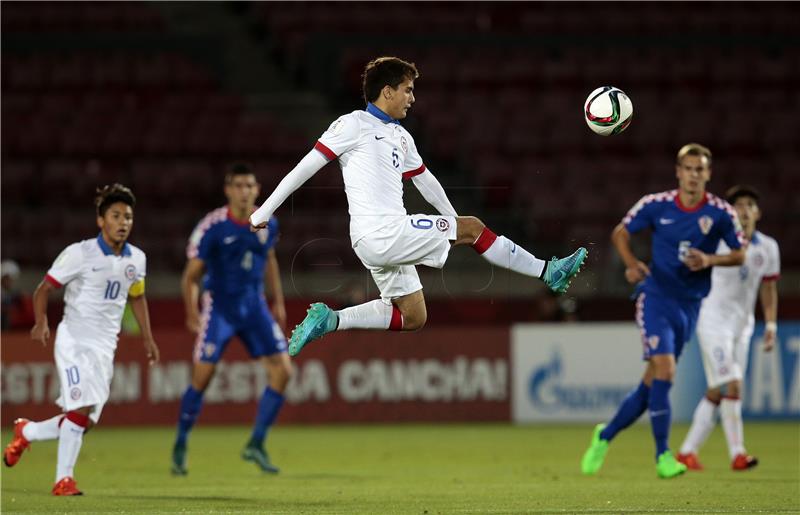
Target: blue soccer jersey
{"points": [[233, 302], [676, 229]]}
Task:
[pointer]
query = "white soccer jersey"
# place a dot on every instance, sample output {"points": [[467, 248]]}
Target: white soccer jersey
{"points": [[734, 289], [97, 283], [376, 154]]}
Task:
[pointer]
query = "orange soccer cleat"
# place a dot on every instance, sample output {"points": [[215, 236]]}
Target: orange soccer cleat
{"points": [[691, 461], [744, 462], [14, 450], [66, 486]]}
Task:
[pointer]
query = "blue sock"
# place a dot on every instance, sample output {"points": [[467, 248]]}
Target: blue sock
{"points": [[631, 409], [660, 414], [191, 403], [268, 408]]}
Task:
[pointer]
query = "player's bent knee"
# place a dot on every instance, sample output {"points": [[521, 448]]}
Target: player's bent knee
{"points": [[662, 367], [415, 322], [714, 395], [469, 228], [283, 374], [279, 371], [413, 325], [733, 389], [202, 375]]}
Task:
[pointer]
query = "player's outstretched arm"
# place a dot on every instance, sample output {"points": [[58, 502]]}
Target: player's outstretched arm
{"points": [[139, 307], [41, 329], [635, 270], [433, 192], [304, 170]]}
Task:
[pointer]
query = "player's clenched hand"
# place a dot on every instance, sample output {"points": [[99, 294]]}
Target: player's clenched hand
{"points": [[151, 350], [696, 260], [193, 322], [637, 273], [769, 340], [256, 228], [41, 333]]}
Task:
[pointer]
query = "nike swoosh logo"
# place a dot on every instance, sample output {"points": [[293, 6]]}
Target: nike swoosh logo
{"points": [[97, 269], [666, 221], [376, 137], [229, 240], [659, 413]]}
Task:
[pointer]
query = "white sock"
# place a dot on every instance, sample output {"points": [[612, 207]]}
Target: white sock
{"points": [[44, 430], [70, 439], [507, 254], [374, 314], [730, 411], [702, 424]]}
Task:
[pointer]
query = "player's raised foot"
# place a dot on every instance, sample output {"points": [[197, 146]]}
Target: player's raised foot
{"points": [[179, 460], [744, 462], [559, 272], [320, 320], [66, 486], [260, 457], [595, 455], [667, 466], [691, 461], [14, 450]]}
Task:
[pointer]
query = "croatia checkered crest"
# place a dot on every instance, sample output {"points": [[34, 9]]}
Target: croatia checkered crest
{"points": [[608, 110]]}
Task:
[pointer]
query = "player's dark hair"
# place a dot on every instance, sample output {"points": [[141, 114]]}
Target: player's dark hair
{"points": [[108, 195], [694, 149], [238, 168], [741, 190], [385, 71]]}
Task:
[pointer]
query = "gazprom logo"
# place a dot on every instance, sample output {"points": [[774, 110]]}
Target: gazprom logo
{"points": [[548, 392]]}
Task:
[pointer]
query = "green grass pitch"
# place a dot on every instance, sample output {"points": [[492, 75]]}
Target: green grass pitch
{"points": [[424, 469]]}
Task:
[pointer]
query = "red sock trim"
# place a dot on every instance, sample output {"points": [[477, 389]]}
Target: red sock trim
{"points": [[396, 324], [484, 241], [712, 401], [730, 398], [79, 419]]}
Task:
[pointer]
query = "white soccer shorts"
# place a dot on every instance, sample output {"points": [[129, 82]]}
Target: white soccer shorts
{"points": [[392, 252], [85, 370], [725, 354]]}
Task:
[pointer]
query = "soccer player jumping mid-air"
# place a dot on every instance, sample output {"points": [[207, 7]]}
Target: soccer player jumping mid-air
{"points": [[376, 153]]}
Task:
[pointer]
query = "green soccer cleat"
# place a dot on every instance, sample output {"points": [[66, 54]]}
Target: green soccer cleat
{"points": [[596, 453], [319, 321], [179, 460], [260, 457], [667, 466], [559, 272]]}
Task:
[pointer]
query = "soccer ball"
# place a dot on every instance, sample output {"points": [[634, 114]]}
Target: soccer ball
{"points": [[608, 111]]}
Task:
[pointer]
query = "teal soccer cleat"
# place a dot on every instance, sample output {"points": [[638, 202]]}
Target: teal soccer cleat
{"points": [[179, 460], [319, 321], [559, 272], [260, 457]]}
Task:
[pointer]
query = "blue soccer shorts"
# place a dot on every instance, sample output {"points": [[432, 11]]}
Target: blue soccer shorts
{"points": [[666, 324], [254, 326]]}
